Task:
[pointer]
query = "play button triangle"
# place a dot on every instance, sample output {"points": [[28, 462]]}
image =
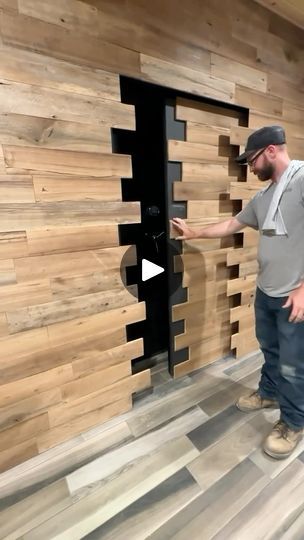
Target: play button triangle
{"points": [[150, 270]]}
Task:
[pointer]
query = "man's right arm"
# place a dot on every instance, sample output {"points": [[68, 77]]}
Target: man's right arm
{"points": [[216, 230]]}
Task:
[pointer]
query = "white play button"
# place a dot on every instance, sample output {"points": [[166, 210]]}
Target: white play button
{"points": [[150, 270]]}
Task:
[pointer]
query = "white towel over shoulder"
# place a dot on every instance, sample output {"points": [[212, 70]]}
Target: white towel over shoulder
{"points": [[274, 223]]}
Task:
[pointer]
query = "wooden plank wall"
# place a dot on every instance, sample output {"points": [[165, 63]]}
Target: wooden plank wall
{"points": [[208, 168], [60, 188], [65, 360]]}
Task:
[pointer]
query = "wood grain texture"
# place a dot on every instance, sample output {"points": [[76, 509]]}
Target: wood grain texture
{"points": [[17, 98], [66, 44], [48, 188], [64, 161], [60, 189], [104, 484], [25, 130]]}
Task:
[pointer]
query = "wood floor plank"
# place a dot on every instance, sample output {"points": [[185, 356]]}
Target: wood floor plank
{"points": [[221, 400], [163, 412], [184, 462], [20, 518], [100, 504], [295, 529], [220, 458], [32, 475], [149, 512], [267, 513], [107, 465], [217, 427], [205, 515], [244, 368]]}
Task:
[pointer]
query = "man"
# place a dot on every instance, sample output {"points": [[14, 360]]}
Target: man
{"points": [[278, 213]]}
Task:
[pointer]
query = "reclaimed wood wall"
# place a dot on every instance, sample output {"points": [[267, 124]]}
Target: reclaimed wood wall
{"points": [[208, 169], [65, 363]]}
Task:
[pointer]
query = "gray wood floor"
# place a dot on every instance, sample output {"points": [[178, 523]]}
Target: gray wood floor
{"points": [[184, 463]]}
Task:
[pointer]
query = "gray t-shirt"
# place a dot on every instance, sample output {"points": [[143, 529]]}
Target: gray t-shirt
{"points": [[280, 258]]}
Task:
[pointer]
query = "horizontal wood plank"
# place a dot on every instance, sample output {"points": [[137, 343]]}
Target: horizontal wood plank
{"points": [[71, 239], [67, 161]]}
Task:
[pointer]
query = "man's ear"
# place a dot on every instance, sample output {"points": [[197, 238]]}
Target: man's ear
{"points": [[271, 150]]}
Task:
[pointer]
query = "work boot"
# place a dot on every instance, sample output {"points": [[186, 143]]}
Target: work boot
{"points": [[282, 440], [254, 402]]}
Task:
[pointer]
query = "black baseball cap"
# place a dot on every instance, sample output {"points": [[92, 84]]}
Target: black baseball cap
{"points": [[260, 139]]}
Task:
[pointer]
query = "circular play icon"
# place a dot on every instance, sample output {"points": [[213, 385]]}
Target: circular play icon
{"points": [[150, 265], [150, 270]]}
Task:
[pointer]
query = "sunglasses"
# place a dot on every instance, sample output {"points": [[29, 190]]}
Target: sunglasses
{"points": [[252, 161]]}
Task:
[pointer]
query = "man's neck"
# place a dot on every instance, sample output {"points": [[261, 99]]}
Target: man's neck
{"points": [[280, 169]]}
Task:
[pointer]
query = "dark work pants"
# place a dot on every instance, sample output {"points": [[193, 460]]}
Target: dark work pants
{"points": [[282, 343]]}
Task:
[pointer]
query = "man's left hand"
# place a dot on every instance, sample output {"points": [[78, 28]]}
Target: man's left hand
{"points": [[296, 301]]}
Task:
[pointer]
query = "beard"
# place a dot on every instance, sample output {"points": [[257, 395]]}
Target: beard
{"points": [[265, 173]]}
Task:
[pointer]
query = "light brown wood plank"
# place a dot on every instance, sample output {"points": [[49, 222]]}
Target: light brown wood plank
{"points": [[84, 365], [25, 130], [20, 295], [258, 101], [48, 103], [199, 334], [23, 431], [19, 390], [85, 354], [211, 135], [16, 189], [112, 393], [67, 431], [9, 5], [58, 266], [63, 332], [202, 113], [243, 190], [13, 244], [238, 312], [67, 239], [198, 172], [184, 78], [197, 152], [22, 216], [245, 337], [241, 255], [45, 314], [48, 188], [11, 457], [32, 341], [128, 25], [222, 208], [239, 285], [238, 73], [68, 287], [66, 45], [22, 410], [280, 86], [3, 325], [96, 381], [239, 135], [197, 361], [41, 70], [67, 161], [293, 129]]}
